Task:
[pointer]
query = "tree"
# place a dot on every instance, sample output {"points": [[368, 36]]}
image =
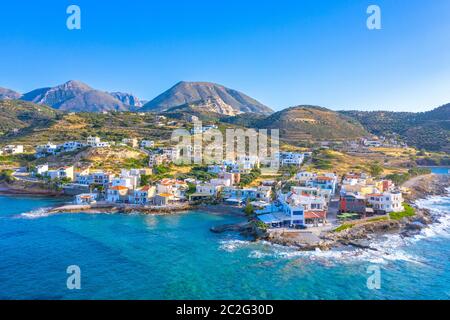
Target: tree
{"points": [[249, 210], [145, 180], [191, 188], [6, 176], [375, 169]]}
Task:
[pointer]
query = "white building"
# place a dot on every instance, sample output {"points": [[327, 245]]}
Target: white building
{"points": [[247, 163], [86, 198], [97, 177], [61, 173], [47, 149], [41, 169], [13, 149], [305, 176], [143, 196], [95, 142], [208, 189], [132, 142], [70, 146], [386, 202], [291, 158], [147, 144]]}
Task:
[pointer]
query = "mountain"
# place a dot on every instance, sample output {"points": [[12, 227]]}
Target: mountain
{"points": [[16, 114], [7, 94], [77, 97], [424, 130], [311, 123], [127, 99], [214, 96], [205, 110]]}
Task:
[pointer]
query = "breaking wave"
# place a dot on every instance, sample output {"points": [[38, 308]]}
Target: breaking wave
{"points": [[382, 250], [35, 214]]}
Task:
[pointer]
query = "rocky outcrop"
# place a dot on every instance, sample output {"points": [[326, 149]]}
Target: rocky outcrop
{"points": [[427, 185]]}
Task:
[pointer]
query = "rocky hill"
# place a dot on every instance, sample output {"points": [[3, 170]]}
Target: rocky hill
{"points": [[425, 130], [76, 96], [312, 123], [17, 116], [212, 96], [8, 94]]}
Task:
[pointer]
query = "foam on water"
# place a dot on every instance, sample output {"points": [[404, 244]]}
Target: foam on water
{"points": [[384, 249], [35, 214]]}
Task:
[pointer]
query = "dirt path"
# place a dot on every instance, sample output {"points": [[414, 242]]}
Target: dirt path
{"points": [[411, 183]]}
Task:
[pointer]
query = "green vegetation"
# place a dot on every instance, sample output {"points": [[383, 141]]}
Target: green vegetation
{"points": [[321, 159], [376, 219], [160, 172], [408, 212], [248, 178], [375, 169], [426, 130], [145, 179], [249, 210], [311, 123], [191, 188], [343, 227], [348, 216], [132, 163], [6, 176], [199, 173], [260, 225]]}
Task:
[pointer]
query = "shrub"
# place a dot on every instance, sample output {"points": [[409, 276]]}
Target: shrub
{"points": [[408, 212], [343, 227]]}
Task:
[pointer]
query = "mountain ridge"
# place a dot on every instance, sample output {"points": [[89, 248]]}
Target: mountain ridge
{"points": [[229, 101]]}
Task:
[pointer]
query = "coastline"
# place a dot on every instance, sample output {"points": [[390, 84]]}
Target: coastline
{"points": [[359, 235], [366, 230], [28, 189], [103, 207]]}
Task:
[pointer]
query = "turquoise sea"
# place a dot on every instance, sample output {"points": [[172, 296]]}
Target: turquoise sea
{"points": [[177, 257]]}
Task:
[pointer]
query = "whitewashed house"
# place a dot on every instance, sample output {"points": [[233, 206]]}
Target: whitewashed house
{"points": [[386, 202]]}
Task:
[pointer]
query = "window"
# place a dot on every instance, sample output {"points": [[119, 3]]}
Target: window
{"points": [[297, 213]]}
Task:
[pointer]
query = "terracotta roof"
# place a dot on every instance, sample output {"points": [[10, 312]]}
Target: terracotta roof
{"points": [[324, 178], [119, 188], [315, 214], [165, 195], [375, 195]]}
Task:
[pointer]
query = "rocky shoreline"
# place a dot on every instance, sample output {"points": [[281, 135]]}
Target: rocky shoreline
{"points": [[120, 208], [28, 189], [363, 232]]}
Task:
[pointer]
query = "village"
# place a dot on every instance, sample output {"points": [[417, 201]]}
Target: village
{"points": [[307, 199]]}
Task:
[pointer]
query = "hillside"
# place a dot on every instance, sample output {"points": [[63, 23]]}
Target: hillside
{"points": [[19, 117], [310, 123], [208, 110], [223, 100], [76, 96], [77, 127], [7, 94], [425, 130]]}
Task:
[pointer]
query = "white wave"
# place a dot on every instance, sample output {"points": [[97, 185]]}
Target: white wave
{"points": [[233, 245], [439, 207], [35, 214], [382, 253]]}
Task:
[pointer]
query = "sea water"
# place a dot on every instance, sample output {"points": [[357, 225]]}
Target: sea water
{"points": [[177, 257]]}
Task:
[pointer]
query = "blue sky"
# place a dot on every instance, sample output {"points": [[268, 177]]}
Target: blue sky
{"points": [[282, 53]]}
